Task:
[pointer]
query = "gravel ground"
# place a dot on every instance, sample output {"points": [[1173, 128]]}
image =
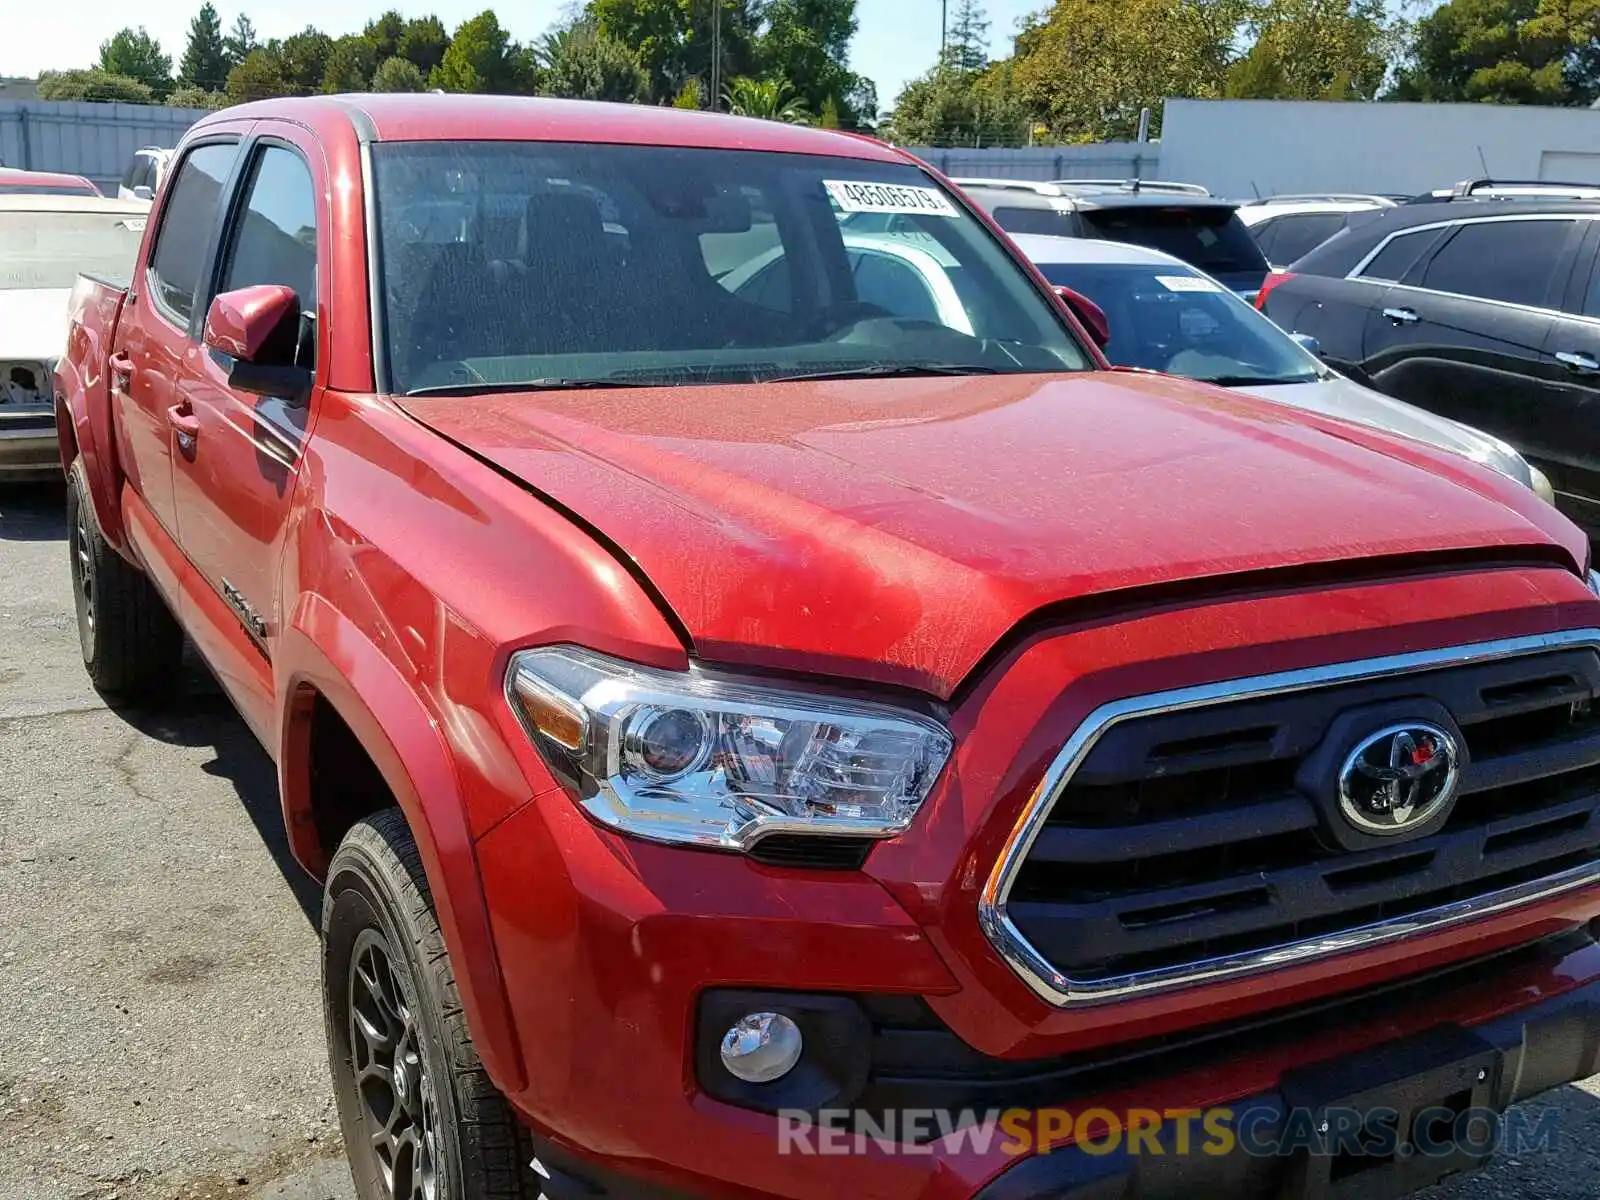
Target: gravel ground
{"points": [[160, 1024], [160, 1019]]}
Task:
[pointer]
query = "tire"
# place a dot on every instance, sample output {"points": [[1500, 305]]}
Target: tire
{"points": [[384, 961], [132, 646]]}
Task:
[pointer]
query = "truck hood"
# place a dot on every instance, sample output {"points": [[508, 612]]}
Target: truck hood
{"points": [[33, 322], [897, 529]]}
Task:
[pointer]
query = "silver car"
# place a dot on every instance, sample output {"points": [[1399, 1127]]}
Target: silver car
{"points": [[1165, 315]]}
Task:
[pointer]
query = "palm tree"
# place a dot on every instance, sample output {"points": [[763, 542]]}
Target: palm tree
{"points": [[769, 99]]}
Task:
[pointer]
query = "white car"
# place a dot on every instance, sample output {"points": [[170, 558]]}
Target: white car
{"points": [[145, 173], [45, 243], [1164, 315], [1290, 227], [906, 274]]}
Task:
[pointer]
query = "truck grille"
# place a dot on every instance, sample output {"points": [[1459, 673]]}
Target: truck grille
{"points": [[1186, 840]]}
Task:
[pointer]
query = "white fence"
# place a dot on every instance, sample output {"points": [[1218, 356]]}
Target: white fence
{"points": [[96, 140]]}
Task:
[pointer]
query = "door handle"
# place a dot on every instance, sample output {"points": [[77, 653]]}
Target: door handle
{"points": [[1402, 316], [1579, 363], [187, 426], [121, 372]]}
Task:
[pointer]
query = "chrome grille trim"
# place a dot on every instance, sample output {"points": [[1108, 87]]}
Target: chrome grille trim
{"points": [[1062, 991]]}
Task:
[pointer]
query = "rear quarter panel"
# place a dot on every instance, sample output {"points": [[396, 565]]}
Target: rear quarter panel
{"points": [[83, 398]]}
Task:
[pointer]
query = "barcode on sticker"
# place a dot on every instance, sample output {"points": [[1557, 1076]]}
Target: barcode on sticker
{"points": [[1187, 283], [854, 196]]}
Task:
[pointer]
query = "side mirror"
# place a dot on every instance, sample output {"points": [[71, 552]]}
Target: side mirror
{"points": [[256, 330], [1090, 313], [1308, 343], [143, 192]]}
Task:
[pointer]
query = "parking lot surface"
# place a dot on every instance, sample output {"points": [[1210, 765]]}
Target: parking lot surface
{"points": [[160, 1021]]}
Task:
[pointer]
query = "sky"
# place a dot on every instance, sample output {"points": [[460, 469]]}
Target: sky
{"points": [[897, 40]]}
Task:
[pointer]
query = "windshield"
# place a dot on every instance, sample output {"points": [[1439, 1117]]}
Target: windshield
{"points": [[1167, 318], [50, 249], [547, 264], [1213, 239]]}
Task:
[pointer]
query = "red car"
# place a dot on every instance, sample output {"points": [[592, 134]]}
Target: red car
{"points": [[14, 182], [760, 738]]}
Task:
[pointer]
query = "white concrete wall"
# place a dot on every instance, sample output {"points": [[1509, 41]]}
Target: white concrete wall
{"points": [[1242, 147]]}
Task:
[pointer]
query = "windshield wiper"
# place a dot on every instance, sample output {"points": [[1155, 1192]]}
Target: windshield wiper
{"points": [[522, 385], [1255, 380], [886, 370]]}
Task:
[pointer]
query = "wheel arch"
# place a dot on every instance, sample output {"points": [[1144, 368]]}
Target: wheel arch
{"points": [[326, 665]]}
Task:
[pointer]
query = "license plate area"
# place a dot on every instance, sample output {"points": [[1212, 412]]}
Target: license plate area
{"points": [[1384, 1122]]}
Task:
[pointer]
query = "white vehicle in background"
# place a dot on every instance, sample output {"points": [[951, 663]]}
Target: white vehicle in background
{"points": [[145, 173], [1164, 315], [46, 242], [1291, 226]]}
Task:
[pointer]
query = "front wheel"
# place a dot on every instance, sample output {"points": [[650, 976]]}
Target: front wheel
{"points": [[421, 1120]]}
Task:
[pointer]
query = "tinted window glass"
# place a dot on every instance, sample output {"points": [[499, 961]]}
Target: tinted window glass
{"points": [[1300, 233], [276, 240], [1266, 235], [655, 265], [1182, 323], [1035, 220], [186, 223], [1500, 260], [1399, 256], [1213, 239], [133, 167], [1591, 303]]}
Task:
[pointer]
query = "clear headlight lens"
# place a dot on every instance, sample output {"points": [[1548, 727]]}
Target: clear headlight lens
{"points": [[1593, 580], [1541, 485], [682, 756]]}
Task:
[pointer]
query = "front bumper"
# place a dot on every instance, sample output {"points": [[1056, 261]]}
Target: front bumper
{"points": [[29, 450], [1260, 1145]]}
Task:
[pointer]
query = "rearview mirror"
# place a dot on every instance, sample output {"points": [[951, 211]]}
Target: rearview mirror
{"points": [[1088, 312], [256, 331]]}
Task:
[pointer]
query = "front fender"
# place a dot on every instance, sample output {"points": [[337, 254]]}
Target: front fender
{"points": [[321, 652]]}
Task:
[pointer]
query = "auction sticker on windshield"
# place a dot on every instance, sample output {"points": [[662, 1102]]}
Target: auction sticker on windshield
{"points": [[1188, 283], [854, 196]]}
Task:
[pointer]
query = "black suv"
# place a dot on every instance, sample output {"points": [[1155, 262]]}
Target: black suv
{"points": [[1183, 219], [1476, 306]]}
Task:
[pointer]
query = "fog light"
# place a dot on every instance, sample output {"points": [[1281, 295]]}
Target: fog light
{"points": [[761, 1047]]}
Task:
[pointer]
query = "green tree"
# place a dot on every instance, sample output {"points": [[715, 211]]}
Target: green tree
{"points": [[241, 40], [1316, 50], [205, 59], [350, 65], [691, 95], [967, 42], [770, 99], [673, 38], [93, 84], [582, 63], [1505, 52], [398, 75], [423, 43], [383, 34], [828, 118], [1087, 68], [806, 43], [483, 58], [259, 77], [135, 54], [304, 60], [953, 107], [185, 96]]}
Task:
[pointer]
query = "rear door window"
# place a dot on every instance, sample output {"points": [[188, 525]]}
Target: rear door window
{"points": [[1512, 261], [187, 220], [1392, 263], [1213, 239], [1297, 234]]}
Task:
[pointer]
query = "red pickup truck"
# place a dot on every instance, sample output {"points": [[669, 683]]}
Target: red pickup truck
{"points": [[764, 733]]}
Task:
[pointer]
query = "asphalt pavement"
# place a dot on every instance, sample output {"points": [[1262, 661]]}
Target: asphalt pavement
{"points": [[161, 1030]]}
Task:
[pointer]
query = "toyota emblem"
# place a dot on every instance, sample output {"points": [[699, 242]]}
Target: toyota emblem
{"points": [[1399, 778]]}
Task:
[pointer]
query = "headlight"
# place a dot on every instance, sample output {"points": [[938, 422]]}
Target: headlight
{"points": [[1593, 580], [683, 756]]}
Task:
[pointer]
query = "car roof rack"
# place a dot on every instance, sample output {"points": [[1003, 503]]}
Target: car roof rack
{"points": [[1137, 185], [1510, 189], [1332, 197], [1013, 185]]}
